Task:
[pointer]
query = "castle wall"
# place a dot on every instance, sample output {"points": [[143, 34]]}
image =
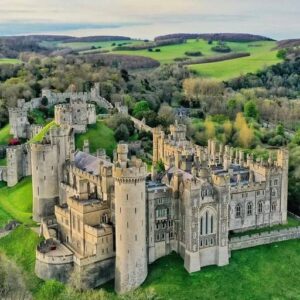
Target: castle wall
{"points": [[58, 268], [264, 238]]}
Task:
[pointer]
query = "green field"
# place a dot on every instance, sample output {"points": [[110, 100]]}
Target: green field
{"points": [[17, 201], [9, 61], [5, 135], [99, 136], [233, 68], [265, 272]]}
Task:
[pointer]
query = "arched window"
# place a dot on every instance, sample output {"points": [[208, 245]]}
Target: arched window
{"points": [[238, 211], [273, 207], [207, 223], [249, 208], [260, 207], [211, 224]]}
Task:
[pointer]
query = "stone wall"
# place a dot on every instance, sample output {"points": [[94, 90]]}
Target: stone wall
{"points": [[141, 125], [264, 238]]}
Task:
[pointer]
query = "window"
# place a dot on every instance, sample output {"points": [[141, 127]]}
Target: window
{"points": [[249, 209], [275, 182], [238, 211], [211, 224], [257, 193], [273, 207], [260, 207], [201, 226]]}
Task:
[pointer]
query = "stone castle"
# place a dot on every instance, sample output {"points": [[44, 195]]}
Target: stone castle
{"points": [[108, 219], [73, 110]]}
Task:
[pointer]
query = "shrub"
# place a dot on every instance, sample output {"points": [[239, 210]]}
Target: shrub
{"points": [[193, 53], [222, 48]]}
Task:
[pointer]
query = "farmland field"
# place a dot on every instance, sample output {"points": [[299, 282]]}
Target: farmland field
{"points": [[9, 61]]}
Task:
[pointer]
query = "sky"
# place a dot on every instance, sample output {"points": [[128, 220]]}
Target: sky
{"points": [[146, 19]]}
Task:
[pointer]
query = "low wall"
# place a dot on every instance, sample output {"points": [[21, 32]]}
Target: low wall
{"points": [[264, 238], [140, 125]]}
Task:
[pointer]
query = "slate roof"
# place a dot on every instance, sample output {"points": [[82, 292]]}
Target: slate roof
{"points": [[89, 163]]}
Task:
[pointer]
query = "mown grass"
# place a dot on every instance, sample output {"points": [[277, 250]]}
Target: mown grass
{"points": [[9, 61], [5, 135], [17, 201], [264, 272], [261, 57], [99, 136]]}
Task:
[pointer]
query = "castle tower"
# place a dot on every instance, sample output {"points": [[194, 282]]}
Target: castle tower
{"points": [[48, 161], [283, 162], [130, 218], [45, 188]]}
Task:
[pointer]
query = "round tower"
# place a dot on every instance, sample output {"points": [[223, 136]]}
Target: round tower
{"points": [[45, 187], [130, 214]]}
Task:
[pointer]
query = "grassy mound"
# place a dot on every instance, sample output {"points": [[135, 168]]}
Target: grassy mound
{"points": [[5, 135], [99, 136], [16, 202], [39, 137]]}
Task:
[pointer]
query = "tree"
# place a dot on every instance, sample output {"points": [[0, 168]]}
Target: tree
{"points": [[122, 133], [280, 129], [140, 108], [251, 110], [210, 130], [245, 134]]}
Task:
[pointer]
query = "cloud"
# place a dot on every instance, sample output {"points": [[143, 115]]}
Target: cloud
{"points": [[255, 16]]}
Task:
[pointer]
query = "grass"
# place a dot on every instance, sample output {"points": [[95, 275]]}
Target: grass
{"points": [[260, 58], [9, 61], [17, 201], [292, 222], [99, 136], [5, 135], [4, 218], [264, 272], [39, 137], [3, 161]]}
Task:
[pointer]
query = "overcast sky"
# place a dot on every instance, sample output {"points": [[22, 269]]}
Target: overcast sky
{"points": [[139, 18]]}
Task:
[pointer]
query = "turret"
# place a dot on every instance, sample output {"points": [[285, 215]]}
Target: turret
{"points": [[130, 219]]}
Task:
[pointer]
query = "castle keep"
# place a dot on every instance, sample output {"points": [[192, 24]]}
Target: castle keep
{"points": [[110, 220]]}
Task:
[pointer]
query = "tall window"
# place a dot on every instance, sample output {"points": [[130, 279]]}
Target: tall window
{"points": [[207, 223], [273, 207], [238, 211], [260, 207], [249, 209]]}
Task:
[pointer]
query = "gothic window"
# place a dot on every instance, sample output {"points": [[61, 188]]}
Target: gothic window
{"points": [[275, 182], [207, 223], [249, 208], [238, 211], [260, 207], [273, 207]]}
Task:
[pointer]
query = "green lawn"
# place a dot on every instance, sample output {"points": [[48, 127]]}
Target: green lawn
{"points": [[4, 217], [5, 135], [9, 61], [99, 136], [264, 272], [17, 201], [261, 57], [3, 161]]}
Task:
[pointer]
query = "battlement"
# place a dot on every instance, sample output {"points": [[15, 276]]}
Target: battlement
{"points": [[38, 147], [135, 173], [99, 231]]}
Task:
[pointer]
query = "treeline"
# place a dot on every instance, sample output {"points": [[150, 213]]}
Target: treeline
{"points": [[12, 46], [121, 61], [217, 58], [148, 45], [226, 37], [281, 80]]}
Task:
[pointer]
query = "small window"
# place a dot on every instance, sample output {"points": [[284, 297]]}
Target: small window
{"points": [[275, 182], [260, 207], [238, 211], [273, 207], [249, 209]]}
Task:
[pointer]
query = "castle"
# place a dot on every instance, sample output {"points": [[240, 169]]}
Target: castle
{"points": [[108, 219]]}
